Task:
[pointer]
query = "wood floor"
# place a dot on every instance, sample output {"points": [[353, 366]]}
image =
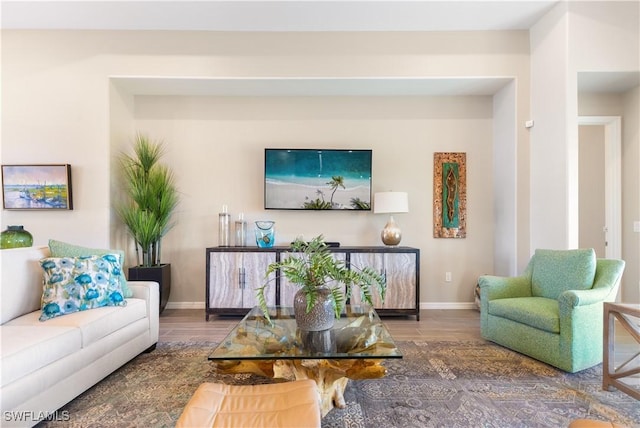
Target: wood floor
{"points": [[189, 325]]}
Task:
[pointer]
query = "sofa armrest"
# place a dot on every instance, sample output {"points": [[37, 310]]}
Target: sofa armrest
{"points": [[143, 289], [150, 292]]}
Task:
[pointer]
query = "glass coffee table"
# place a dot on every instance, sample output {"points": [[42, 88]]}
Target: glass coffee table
{"points": [[354, 348]]}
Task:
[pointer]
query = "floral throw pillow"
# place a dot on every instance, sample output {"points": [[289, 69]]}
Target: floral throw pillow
{"points": [[73, 284], [64, 249]]}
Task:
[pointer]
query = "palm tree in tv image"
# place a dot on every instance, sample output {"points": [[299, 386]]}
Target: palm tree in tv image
{"points": [[336, 181]]}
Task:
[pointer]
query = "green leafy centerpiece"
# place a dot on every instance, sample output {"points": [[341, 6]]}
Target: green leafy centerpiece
{"points": [[325, 283]]}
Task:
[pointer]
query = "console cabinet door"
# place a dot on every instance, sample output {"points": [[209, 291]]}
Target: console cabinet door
{"points": [[234, 277], [254, 266], [399, 271], [374, 261], [224, 289]]}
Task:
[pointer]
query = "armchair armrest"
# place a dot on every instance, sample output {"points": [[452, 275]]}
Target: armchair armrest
{"points": [[608, 273], [605, 285], [575, 298], [498, 287]]}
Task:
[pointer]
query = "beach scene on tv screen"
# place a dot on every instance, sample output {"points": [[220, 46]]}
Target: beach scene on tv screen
{"points": [[317, 179]]}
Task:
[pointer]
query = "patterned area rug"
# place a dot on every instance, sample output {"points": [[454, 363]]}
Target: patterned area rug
{"points": [[436, 384]]}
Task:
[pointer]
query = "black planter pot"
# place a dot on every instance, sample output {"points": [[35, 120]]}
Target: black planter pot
{"points": [[160, 274]]}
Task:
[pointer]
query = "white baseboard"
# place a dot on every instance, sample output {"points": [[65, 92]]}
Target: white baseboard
{"points": [[185, 305], [447, 305], [423, 305]]}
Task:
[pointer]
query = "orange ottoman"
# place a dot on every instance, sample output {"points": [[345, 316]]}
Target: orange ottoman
{"points": [[590, 423], [286, 404]]}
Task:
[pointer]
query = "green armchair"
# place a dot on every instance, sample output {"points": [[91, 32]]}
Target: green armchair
{"points": [[553, 311]]}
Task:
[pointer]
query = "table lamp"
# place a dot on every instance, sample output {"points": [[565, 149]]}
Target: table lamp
{"points": [[391, 203]]}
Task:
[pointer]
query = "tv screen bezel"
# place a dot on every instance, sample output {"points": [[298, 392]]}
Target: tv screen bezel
{"points": [[317, 197]]}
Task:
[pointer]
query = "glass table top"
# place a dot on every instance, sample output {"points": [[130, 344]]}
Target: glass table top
{"points": [[357, 334]]}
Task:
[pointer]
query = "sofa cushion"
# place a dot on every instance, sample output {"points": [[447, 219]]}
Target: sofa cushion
{"points": [[64, 249], [92, 325], [556, 271], [538, 312], [73, 284], [27, 348]]}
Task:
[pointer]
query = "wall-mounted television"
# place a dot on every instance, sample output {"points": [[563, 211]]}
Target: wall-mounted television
{"points": [[317, 179]]}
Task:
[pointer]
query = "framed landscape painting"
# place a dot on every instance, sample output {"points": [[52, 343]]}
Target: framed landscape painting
{"points": [[36, 187]]}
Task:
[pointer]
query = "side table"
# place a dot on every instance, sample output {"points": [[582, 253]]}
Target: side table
{"points": [[627, 317]]}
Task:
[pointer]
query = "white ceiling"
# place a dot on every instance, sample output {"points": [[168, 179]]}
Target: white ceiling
{"points": [[269, 15]]}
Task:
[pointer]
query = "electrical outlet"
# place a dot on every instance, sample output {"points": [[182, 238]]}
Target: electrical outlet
{"points": [[447, 276], [636, 226]]}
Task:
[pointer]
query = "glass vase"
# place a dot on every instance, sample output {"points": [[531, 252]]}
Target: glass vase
{"points": [[15, 237], [265, 233], [223, 229]]}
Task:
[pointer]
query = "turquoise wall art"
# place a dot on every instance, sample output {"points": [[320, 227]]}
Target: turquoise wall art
{"points": [[450, 196]]}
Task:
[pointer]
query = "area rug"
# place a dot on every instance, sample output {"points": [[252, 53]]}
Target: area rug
{"points": [[436, 384]]}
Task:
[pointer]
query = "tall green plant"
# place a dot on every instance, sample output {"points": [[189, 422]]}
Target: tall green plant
{"points": [[152, 198], [311, 265]]}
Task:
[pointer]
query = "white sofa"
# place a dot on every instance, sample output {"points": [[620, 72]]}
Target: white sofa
{"points": [[46, 364]]}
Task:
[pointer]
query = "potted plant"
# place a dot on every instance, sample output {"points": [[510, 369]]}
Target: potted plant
{"points": [[325, 283], [147, 214]]}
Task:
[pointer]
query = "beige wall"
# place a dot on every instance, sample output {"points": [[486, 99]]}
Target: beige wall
{"points": [[631, 194], [60, 106], [592, 190], [626, 105], [217, 146], [579, 37]]}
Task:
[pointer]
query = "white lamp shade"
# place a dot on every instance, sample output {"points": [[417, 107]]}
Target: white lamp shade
{"points": [[390, 202]]}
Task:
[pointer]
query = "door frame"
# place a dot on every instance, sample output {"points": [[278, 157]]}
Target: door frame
{"points": [[612, 178]]}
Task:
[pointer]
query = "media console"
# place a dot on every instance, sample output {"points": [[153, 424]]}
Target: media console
{"points": [[233, 274]]}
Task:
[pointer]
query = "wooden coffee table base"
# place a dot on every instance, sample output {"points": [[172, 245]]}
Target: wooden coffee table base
{"points": [[331, 376]]}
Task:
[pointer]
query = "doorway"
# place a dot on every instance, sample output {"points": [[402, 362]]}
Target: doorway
{"points": [[600, 205]]}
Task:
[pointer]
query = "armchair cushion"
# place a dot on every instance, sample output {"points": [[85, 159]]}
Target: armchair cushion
{"points": [[557, 271], [538, 312]]}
